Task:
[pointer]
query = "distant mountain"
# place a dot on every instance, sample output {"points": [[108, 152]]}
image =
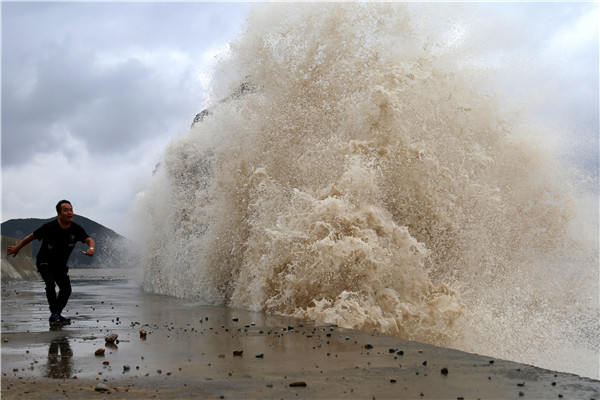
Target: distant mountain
{"points": [[112, 250]]}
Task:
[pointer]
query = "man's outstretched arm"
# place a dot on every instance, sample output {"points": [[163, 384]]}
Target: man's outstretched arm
{"points": [[14, 250]]}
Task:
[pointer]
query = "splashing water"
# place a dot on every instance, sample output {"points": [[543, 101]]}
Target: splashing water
{"points": [[366, 179]]}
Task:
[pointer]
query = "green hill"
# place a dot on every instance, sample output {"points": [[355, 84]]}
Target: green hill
{"points": [[112, 250]]}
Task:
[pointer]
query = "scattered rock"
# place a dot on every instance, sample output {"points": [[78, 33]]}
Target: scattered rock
{"points": [[99, 352], [143, 334], [101, 387], [110, 338], [368, 346], [298, 384], [238, 353], [126, 367], [260, 355], [444, 371]]}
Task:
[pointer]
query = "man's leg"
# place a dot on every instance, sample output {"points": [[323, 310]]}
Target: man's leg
{"points": [[64, 285], [48, 277]]}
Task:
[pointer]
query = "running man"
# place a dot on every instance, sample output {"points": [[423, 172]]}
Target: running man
{"points": [[58, 238]]}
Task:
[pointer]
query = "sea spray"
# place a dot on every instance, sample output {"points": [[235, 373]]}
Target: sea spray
{"points": [[369, 179]]}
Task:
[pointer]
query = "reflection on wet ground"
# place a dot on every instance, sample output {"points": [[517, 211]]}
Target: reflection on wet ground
{"points": [[60, 358], [63, 351], [104, 302]]}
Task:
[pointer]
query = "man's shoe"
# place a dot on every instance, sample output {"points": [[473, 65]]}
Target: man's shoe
{"points": [[54, 319], [63, 320]]}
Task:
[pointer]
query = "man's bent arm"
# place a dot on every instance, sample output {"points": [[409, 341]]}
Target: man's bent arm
{"points": [[14, 250], [90, 242]]}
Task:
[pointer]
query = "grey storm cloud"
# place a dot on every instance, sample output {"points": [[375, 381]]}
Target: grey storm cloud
{"points": [[56, 76]]}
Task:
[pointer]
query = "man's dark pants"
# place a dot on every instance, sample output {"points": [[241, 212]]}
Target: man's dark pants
{"points": [[56, 276]]}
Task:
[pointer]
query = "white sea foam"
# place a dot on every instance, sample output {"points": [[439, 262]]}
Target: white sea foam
{"points": [[369, 179]]}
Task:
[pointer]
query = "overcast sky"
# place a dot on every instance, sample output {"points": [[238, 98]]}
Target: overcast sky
{"points": [[93, 92]]}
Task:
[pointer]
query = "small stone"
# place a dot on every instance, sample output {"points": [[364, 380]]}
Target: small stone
{"points": [[99, 352], [238, 353], [260, 355], [126, 367], [110, 338], [106, 363], [101, 387], [444, 371], [368, 346], [298, 384], [143, 334]]}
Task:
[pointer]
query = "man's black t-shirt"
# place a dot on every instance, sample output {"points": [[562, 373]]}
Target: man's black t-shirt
{"points": [[57, 243]]}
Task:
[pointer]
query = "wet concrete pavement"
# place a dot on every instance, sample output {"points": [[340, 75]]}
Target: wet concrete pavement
{"points": [[191, 350]]}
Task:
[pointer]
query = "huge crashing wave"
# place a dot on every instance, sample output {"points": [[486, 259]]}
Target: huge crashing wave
{"points": [[363, 176]]}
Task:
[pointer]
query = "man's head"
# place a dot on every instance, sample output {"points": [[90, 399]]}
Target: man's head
{"points": [[59, 205], [64, 209]]}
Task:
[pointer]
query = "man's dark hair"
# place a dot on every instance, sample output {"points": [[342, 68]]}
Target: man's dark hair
{"points": [[60, 203]]}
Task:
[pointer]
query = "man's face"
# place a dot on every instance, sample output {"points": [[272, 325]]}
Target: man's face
{"points": [[66, 213]]}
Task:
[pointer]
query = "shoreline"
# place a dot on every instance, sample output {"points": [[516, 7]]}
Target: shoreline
{"points": [[199, 351]]}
